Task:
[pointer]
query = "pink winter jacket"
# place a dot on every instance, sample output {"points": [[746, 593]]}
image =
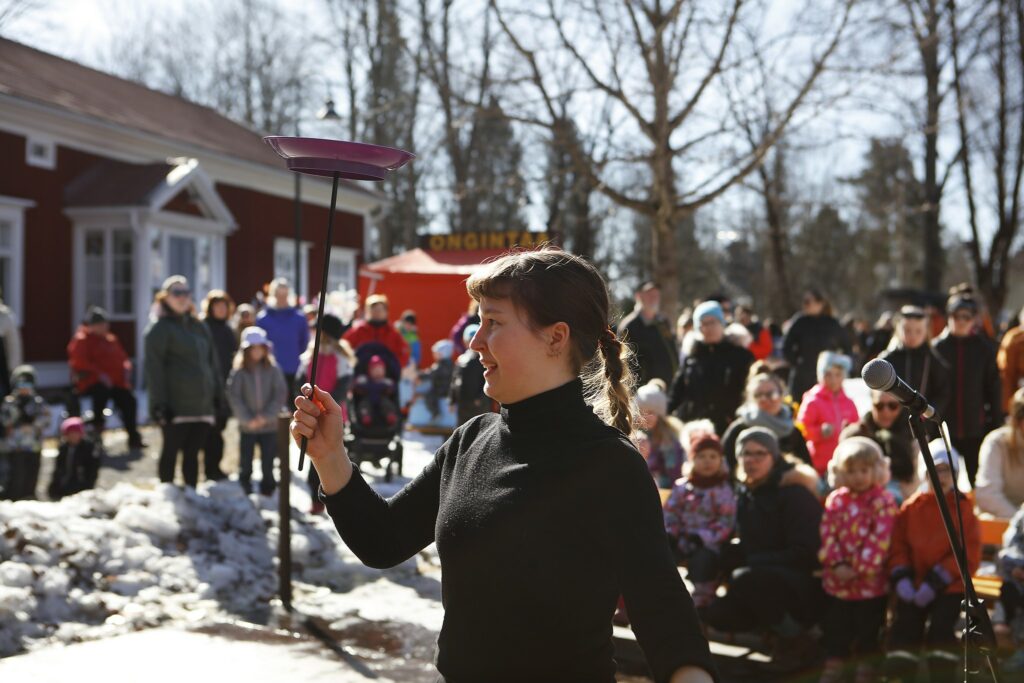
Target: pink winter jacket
{"points": [[819, 407], [856, 530]]}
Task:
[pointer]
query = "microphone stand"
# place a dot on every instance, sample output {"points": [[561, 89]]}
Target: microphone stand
{"points": [[978, 637]]}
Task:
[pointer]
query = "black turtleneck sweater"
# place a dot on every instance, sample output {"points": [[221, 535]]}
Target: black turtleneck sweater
{"points": [[543, 515]]}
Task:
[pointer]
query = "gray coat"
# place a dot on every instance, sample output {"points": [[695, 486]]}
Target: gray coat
{"points": [[259, 390]]}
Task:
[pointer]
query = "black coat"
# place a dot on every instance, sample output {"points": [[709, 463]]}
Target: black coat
{"points": [[225, 343], [710, 383], [467, 388], [975, 402], [76, 470], [924, 370], [808, 336], [654, 345]]}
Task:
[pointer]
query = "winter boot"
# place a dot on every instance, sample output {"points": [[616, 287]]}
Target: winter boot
{"points": [[944, 667], [901, 667]]}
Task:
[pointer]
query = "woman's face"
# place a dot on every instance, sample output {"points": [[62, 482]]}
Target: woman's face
{"points": [[768, 398], [246, 319], [519, 362], [812, 306], [711, 329], [219, 310], [912, 332], [884, 410], [834, 377], [757, 462], [179, 298]]}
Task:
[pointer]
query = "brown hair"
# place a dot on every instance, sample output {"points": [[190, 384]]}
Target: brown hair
{"points": [[550, 286], [213, 297]]}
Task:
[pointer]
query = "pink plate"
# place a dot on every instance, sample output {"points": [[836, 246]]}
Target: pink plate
{"points": [[352, 160]]}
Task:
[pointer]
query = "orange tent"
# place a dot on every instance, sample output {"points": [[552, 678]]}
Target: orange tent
{"points": [[431, 283]]}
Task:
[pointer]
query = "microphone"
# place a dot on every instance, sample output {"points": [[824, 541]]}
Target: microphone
{"points": [[880, 375]]}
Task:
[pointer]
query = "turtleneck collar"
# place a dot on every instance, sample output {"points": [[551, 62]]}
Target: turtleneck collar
{"points": [[555, 409]]}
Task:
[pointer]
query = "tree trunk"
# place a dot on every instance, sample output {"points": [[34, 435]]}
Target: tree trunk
{"points": [[933, 257]]}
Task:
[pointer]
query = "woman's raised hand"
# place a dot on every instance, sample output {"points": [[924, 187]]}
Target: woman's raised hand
{"points": [[318, 418]]}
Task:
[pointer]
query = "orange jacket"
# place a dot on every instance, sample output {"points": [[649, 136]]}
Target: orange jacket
{"points": [[919, 540], [1011, 363], [91, 356]]}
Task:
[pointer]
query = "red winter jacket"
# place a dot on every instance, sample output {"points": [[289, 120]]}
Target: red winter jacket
{"points": [[363, 332], [92, 355]]}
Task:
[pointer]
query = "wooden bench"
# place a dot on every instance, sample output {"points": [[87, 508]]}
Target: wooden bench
{"points": [[664, 493], [992, 530]]}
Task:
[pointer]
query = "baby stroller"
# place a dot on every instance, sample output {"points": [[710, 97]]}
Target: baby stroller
{"points": [[378, 440]]}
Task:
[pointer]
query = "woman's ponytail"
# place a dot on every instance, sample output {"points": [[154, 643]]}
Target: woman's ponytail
{"points": [[615, 401]]}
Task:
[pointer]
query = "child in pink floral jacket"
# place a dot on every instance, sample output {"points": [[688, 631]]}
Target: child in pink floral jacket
{"points": [[700, 514], [856, 532]]}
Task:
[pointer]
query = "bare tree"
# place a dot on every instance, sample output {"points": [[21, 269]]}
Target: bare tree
{"points": [[11, 10], [663, 68], [990, 123]]}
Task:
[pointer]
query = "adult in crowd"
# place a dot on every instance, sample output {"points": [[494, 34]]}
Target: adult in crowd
{"points": [[826, 410], [218, 308], [650, 335], [999, 490], [245, 316], [916, 361], [287, 330], [975, 405], [100, 369], [761, 336], [185, 384], [375, 328], [1010, 360], [470, 317], [814, 330], [407, 327], [466, 395], [764, 408], [886, 424], [772, 583], [711, 380], [10, 347]]}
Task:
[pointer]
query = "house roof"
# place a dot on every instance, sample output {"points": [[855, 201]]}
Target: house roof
{"points": [[115, 183], [46, 79], [434, 262]]}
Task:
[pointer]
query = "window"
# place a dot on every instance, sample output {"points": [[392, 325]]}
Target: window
{"points": [[109, 270], [343, 269], [284, 264], [193, 258], [12, 255], [41, 153]]}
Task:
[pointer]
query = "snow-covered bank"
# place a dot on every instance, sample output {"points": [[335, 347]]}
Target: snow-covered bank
{"points": [[104, 563]]}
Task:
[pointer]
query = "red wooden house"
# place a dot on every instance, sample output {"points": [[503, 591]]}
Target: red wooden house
{"points": [[107, 187]]}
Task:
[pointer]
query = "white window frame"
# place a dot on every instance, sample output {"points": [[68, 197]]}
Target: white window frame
{"points": [[49, 160], [286, 245], [340, 255], [108, 270], [13, 209], [163, 225]]}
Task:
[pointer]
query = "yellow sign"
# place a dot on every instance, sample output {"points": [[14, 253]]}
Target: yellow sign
{"points": [[469, 241]]}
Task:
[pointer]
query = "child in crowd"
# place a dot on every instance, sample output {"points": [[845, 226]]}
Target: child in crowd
{"points": [[24, 416], [924, 573], [700, 514], [1011, 569], [660, 437], [77, 465], [436, 381], [375, 395], [825, 409], [410, 332], [333, 375], [256, 390], [856, 532], [467, 395]]}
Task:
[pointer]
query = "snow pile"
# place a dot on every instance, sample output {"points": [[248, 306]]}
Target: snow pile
{"points": [[107, 562]]}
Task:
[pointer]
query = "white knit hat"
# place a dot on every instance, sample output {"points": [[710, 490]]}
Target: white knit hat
{"points": [[651, 397]]}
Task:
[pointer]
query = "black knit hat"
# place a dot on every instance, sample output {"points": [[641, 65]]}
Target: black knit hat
{"points": [[96, 315], [332, 326]]}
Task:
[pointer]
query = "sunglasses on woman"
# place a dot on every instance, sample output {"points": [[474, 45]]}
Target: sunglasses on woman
{"points": [[887, 405], [766, 395], [179, 292]]}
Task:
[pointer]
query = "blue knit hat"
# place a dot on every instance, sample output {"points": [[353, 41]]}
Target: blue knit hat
{"points": [[829, 359], [708, 308]]}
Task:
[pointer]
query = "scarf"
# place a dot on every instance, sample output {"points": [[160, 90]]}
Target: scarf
{"points": [[781, 425]]}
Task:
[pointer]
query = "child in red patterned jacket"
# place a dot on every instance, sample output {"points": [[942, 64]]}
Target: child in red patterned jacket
{"points": [[856, 532], [700, 514]]}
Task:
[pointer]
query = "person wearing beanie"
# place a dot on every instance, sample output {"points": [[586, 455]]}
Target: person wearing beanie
{"points": [[772, 585], [466, 394], [23, 416], [649, 332], [287, 330], [700, 514], [765, 407], [918, 363], [409, 329], [217, 310], [856, 534], [924, 575], [825, 410], [375, 396], [434, 383], [101, 370], [711, 380], [976, 406], [660, 435], [77, 465], [814, 330]]}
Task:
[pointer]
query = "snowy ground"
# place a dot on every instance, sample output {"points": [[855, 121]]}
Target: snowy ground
{"points": [[106, 563]]}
